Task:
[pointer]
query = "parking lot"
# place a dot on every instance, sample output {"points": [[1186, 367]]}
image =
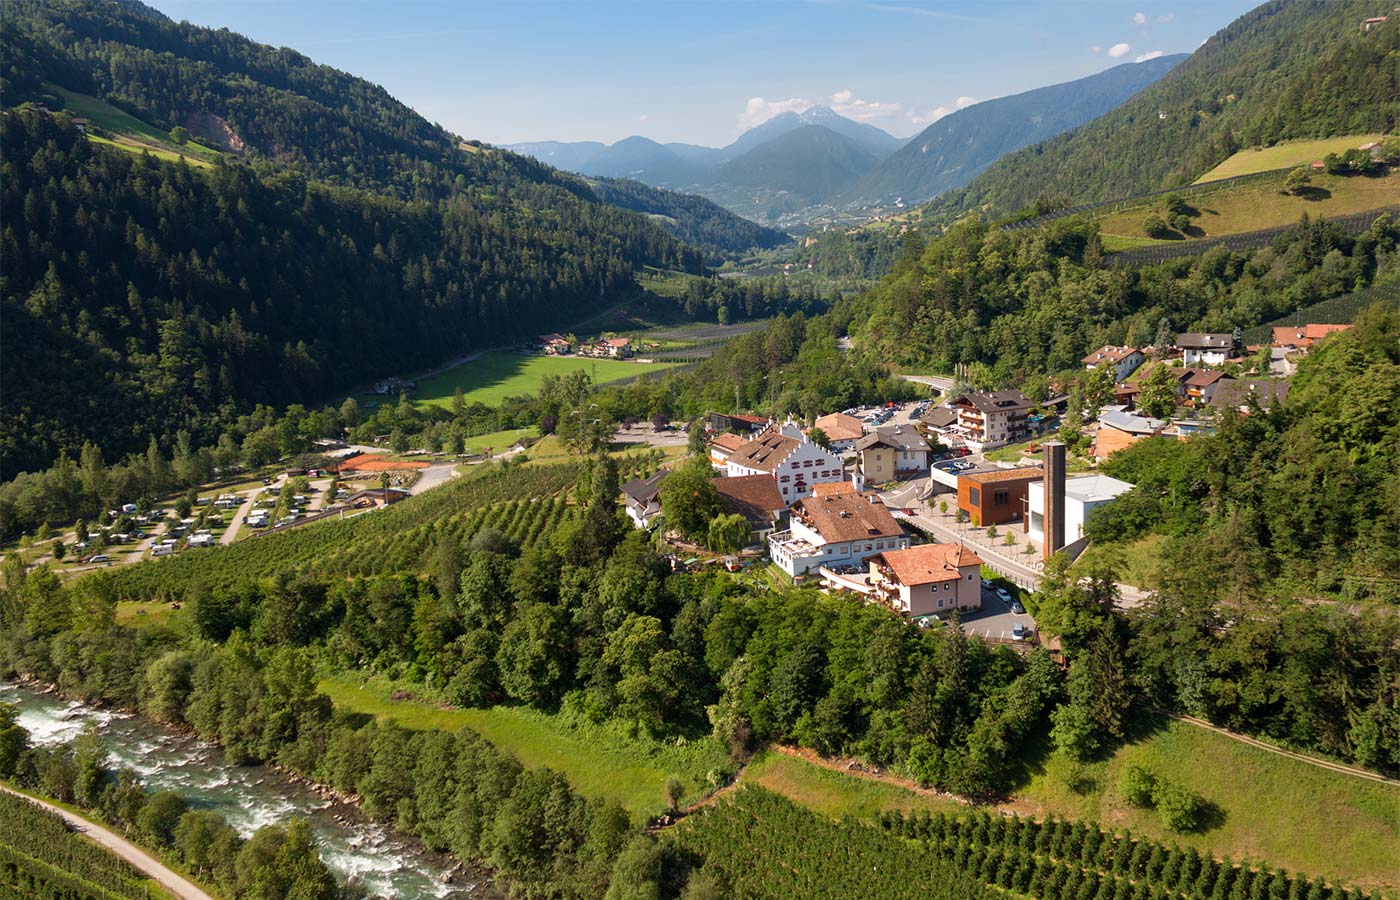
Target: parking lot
{"points": [[995, 620]]}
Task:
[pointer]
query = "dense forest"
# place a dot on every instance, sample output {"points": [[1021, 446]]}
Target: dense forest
{"points": [[699, 222], [1286, 70]]}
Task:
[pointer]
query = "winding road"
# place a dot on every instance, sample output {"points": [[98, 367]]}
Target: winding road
{"points": [[150, 866]]}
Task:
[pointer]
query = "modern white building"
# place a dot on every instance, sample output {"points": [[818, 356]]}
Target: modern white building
{"points": [[1082, 495], [794, 463], [835, 530]]}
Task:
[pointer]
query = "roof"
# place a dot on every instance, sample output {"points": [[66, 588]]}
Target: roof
{"points": [[643, 490], [1141, 375], [1095, 488], [1122, 420], [996, 401], [755, 497], [832, 488], [1295, 334], [1026, 473], [840, 427], [1203, 377], [1198, 341], [617, 342], [751, 420], [1109, 354], [551, 338], [928, 563], [847, 517], [940, 417], [764, 453], [728, 440], [1267, 391], [896, 437]]}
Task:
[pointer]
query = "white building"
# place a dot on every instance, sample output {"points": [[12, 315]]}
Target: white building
{"points": [[1123, 360], [835, 530], [1082, 495], [1205, 349], [643, 499], [793, 462]]}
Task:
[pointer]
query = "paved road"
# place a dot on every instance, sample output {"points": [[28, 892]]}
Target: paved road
{"points": [[239, 514], [128, 851], [941, 382]]}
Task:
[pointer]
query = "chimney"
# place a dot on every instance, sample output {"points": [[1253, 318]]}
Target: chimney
{"points": [[1054, 496]]}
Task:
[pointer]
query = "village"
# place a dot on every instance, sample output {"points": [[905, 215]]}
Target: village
{"points": [[951, 507]]}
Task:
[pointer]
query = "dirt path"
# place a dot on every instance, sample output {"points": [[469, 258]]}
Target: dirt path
{"points": [[148, 864], [1301, 757], [239, 514]]}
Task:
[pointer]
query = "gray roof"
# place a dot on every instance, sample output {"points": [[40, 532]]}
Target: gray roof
{"points": [[1267, 391], [643, 490], [940, 417], [1117, 417], [997, 401], [896, 437], [1196, 341]]}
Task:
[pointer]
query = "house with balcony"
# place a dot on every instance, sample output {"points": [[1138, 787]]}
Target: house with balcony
{"points": [[838, 530], [786, 455], [991, 419], [927, 580], [642, 499], [1201, 384], [890, 452], [1123, 360], [1206, 349]]}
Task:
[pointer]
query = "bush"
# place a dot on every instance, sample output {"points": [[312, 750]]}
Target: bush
{"points": [[1137, 787], [1179, 808], [1154, 227]]}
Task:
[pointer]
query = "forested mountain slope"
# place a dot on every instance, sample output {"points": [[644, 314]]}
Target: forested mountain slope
{"points": [[1288, 69], [693, 219], [348, 238], [950, 152]]}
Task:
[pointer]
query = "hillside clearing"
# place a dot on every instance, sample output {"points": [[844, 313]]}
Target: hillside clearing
{"points": [[128, 132], [599, 761], [1292, 153], [1256, 206], [494, 376]]}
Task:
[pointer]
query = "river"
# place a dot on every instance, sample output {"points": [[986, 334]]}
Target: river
{"points": [[249, 797]]}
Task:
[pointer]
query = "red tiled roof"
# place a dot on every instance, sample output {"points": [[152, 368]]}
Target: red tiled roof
{"points": [[1108, 354], [765, 453], [847, 517], [728, 440], [832, 488], [928, 563], [755, 497], [840, 427]]}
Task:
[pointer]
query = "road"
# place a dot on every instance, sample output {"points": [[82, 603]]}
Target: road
{"points": [[145, 862], [239, 514], [942, 382]]}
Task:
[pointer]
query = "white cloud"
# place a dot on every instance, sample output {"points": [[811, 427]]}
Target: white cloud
{"points": [[1096, 49], [846, 103], [1118, 50], [758, 110], [1150, 55], [929, 116], [1140, 19]]}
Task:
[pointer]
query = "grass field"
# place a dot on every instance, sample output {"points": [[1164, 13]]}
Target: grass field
{"points": [[130, 133], [498, 441], [1293, 153], [1268, 808], [599, 761], [1136, 562], [835, 794], [1255, 206], [492, 377]]}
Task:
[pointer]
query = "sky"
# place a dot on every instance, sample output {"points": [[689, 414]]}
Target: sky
{"points": [[703, 72]]}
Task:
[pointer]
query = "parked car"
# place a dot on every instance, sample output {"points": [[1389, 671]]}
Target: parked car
{"points": [[1004, 594], [1018, 632], [1017, 608], [99, 558]]}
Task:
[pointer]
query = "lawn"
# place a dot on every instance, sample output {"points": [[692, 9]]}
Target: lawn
{"points": [[836, 794], [1271, 809], [1293, 153], [598, 760], [1258, 205], [1136, 562], [494, 376], [1012, 453], [129, 132], [498, 441]]}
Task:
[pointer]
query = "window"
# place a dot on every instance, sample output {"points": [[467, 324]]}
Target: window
{"points": [[796, 465], [1001, 497], [974, 495], [947, 585], [785, 478], [807, 464]]}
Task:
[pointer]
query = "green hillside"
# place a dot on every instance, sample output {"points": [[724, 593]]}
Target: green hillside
{"points": [[1287, 70], [1288, 153]]}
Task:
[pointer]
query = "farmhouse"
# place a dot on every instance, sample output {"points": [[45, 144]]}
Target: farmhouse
{"points": [[785, 455], [643, 500], [756, 498], [1205, 349], [928, 579], [892, 451], [616, 348], [991, 419], [842, 431], [1201, 385], [995, 497], [838, 530], [1123, 360], [553, 344], [723, 445]]}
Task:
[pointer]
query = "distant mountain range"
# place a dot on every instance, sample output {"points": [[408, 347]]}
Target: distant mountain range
{"points": [[798, 166]]}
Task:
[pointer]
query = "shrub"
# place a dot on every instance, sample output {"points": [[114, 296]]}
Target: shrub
{"points": [[1137, 786], [1179, 808], [1154, 227]]}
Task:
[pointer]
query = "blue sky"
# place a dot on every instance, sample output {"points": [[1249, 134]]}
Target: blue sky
{"points": [[703, 72]]}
